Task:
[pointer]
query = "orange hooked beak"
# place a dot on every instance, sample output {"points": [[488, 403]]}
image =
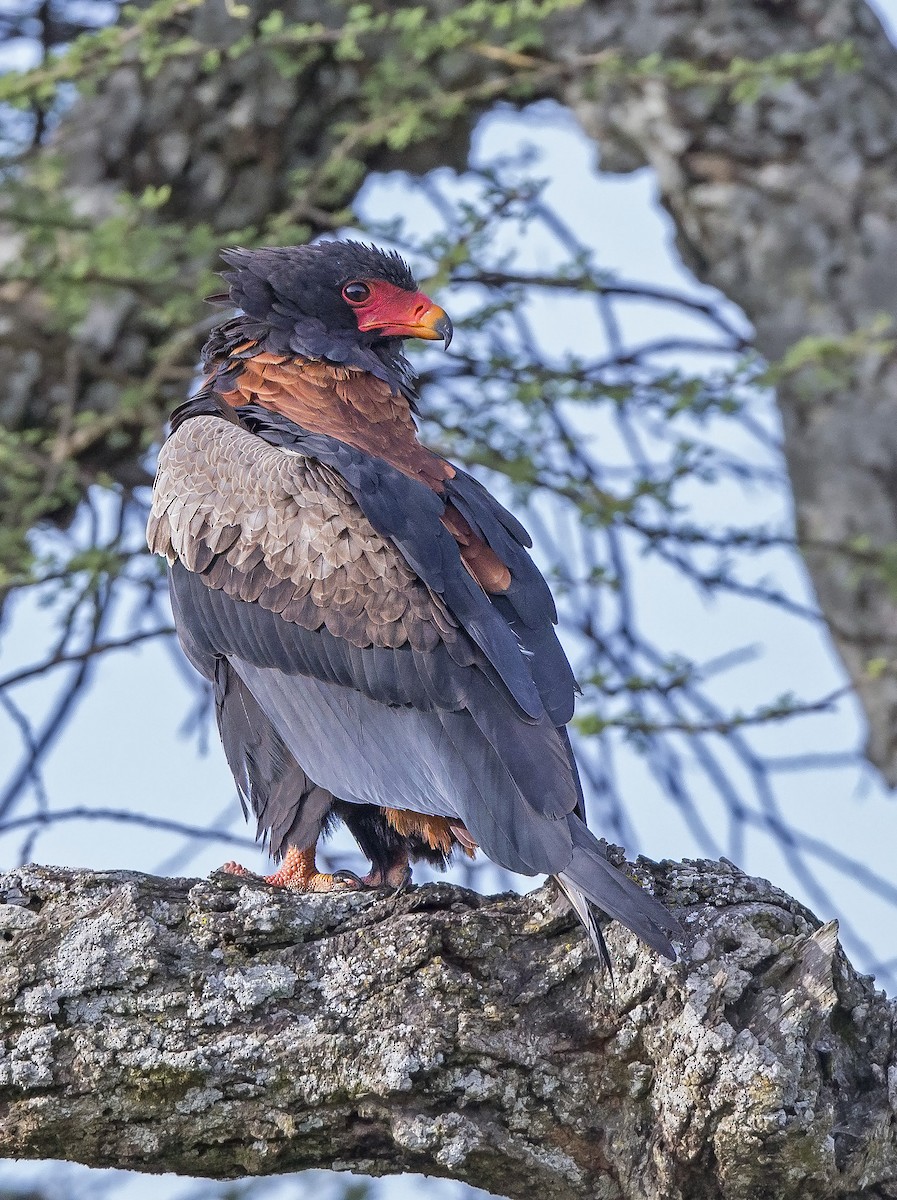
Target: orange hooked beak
{"points": [[393, 312]]}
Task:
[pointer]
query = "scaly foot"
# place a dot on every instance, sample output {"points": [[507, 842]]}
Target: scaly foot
{"points": [[300, 874]]}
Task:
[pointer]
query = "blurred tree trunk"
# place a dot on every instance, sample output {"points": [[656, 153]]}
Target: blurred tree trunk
{"points": [[788, 205], [785, 199], [214, 1029]]}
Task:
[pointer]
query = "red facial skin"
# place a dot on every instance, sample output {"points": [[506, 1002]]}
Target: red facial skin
{"points": [[394, 312]]}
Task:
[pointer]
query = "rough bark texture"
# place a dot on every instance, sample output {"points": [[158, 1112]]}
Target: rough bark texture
{"points": [[787, 203], [223, 1028]]}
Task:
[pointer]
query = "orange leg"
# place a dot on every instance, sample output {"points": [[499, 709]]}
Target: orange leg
{"points": [[299, 873]]}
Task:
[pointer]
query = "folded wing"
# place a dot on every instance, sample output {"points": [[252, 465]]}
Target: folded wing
{"points": [[377, 658], [366, 662]]}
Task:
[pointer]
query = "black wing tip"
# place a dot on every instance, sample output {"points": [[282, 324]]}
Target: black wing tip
{"points": [[654, 935], [663, 946], [614, 893]]}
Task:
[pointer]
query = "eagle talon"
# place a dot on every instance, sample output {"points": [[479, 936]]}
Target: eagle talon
{"points": [[299, 874], [348, 877], [235, 868]]}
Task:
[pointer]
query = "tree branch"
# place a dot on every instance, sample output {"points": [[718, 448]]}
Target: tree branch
{"points": [[222, 1028]]}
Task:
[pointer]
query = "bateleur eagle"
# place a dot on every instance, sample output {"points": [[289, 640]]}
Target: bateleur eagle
{"points": [[381, 646]]}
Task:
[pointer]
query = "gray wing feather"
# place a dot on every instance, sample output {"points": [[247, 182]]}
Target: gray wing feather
{"points": [[403, 682], [437, 762], [446, 721], [289, 807]]}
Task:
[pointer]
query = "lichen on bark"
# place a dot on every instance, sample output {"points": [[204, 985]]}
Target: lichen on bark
{"points": [[223, 1028]]}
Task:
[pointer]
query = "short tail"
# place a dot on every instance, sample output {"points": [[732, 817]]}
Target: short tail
{"points": [[590, 878]]}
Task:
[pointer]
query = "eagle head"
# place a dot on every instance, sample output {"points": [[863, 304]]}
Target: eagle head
{"points": [[338, 301]]}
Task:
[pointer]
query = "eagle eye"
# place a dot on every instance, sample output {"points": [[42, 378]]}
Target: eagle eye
{"points": [[356, 292]]}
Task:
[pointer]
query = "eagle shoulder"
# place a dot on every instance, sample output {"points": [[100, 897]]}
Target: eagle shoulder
{"points": [[277, 527]]}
